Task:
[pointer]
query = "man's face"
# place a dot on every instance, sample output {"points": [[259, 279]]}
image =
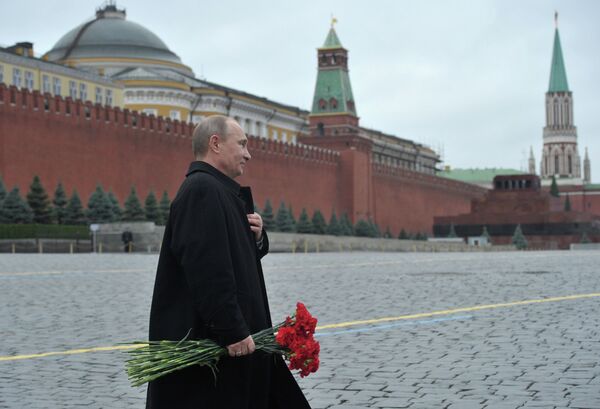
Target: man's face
{"points": [[234, 151]]}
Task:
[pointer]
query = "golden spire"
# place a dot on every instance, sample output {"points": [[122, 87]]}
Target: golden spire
{"points": [[333, 21]]}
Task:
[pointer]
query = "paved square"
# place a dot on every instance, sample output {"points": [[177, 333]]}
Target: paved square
{"points": [[501, 355]]}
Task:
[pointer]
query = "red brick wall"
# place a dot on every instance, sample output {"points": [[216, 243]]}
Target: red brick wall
{"points": [[107, 148]]}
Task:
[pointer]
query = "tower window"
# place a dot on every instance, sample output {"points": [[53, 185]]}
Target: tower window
{"points": [[321, 129], [322, 104], [333, 102]]}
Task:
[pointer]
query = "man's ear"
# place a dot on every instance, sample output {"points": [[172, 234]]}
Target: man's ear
{"points": [[213, 143]]}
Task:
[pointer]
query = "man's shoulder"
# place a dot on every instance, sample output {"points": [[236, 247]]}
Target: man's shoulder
{"points": [[198, 183]]}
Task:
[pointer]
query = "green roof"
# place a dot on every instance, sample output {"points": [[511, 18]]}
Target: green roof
{"points": [[332, 40], [558, 73], [333, 83], [478, 175], [592, 186]]}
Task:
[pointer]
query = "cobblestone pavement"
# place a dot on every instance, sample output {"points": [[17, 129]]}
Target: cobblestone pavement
{"points": [[535, 355]]}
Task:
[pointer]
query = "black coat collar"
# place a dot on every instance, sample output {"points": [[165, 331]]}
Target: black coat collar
{"points": [[199, 166]]}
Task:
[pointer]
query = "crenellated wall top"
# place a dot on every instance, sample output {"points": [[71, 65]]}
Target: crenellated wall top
{"points": [[297, 151]]}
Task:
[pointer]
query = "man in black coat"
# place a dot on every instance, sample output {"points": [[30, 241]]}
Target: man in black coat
{"points": [[210, 282]]}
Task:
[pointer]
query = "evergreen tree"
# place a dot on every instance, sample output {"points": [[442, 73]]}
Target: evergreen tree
{"points": [[38, 201], [363, 228], [283, 219], [59, 204], [304, 225], [74, 211], [151, 209], [375, 231], [333, 227], [319, 226], [99, 208], [292, 218], [267, 216], [418, 236], [346, 227], [452, 233], [115, 207], [15, 210], [133, 208], [403, 235], [585, 239], [567, 204], [554, 187], [485, 234], [2, 191], [387, 234], [518, 239], [165, 206]]}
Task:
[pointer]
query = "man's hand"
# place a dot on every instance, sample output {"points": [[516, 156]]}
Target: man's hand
{"points": [[256, 225], [244, 347]]}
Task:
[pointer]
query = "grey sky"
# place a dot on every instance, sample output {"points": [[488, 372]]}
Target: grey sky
{"points": [[466, 75]]}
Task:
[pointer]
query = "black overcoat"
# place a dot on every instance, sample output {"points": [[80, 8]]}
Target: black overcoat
{"points": [[209, 279]]}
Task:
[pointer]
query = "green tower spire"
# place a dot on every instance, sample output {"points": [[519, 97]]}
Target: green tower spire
{"points": [[333, 92], [558, 73]]}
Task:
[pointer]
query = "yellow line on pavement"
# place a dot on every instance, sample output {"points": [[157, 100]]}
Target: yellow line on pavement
{"points": [[330, 326], [457, 310]]}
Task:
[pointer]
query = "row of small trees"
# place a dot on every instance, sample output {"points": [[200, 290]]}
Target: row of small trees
{"points": [[284, 221], [102, 207]]}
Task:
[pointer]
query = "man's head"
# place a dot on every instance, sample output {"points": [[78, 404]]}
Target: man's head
{"points": [[221, 142]]}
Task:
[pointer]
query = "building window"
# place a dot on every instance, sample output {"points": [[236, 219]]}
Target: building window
{"points": [[98, 95], [275, 135], [29, 80], [17, 77], [108, 97], [149, 111], [56, 86], [72, 89], [284, 137], [83, 92], [322, 104], [333, 102], [175, 115], [570, 165], [556, 172], [45, 84]]}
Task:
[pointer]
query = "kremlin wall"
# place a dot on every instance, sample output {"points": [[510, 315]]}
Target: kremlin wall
{"points": [[83, 145]]}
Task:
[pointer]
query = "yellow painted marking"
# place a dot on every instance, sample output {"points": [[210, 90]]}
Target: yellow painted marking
{"points": [[330, 326], [457, 310]]}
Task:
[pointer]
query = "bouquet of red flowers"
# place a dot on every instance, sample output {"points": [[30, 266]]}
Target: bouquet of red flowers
{"points": [[293, 338]]}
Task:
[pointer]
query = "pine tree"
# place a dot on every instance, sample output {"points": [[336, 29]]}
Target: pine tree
{"points": [[99, 208], [133, 208], [115, 207], [452, 233], [38, 201], [333, 227], [59, 204], [304, 225], [486, 234], [363, 228], [554, 187], [267, 216], [567, 204], [584, 238], [292, 218], [518, 239], [15, 210], [375, 231], [74, 213], [346, 227], [319, 225], [164, 206], [151, 209], [2, 191], [283, 219], [403, 235]]}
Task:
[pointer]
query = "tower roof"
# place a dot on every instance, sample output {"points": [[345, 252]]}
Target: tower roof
{"points": [[558, 73], [332, 40]]}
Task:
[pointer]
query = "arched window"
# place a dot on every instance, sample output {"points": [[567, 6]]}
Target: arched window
{"points": [[333, 103], [322, 104], [556, 172], [570, 164]]}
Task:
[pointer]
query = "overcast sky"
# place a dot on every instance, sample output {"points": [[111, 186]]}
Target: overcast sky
{"points": [[467, 78]]}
